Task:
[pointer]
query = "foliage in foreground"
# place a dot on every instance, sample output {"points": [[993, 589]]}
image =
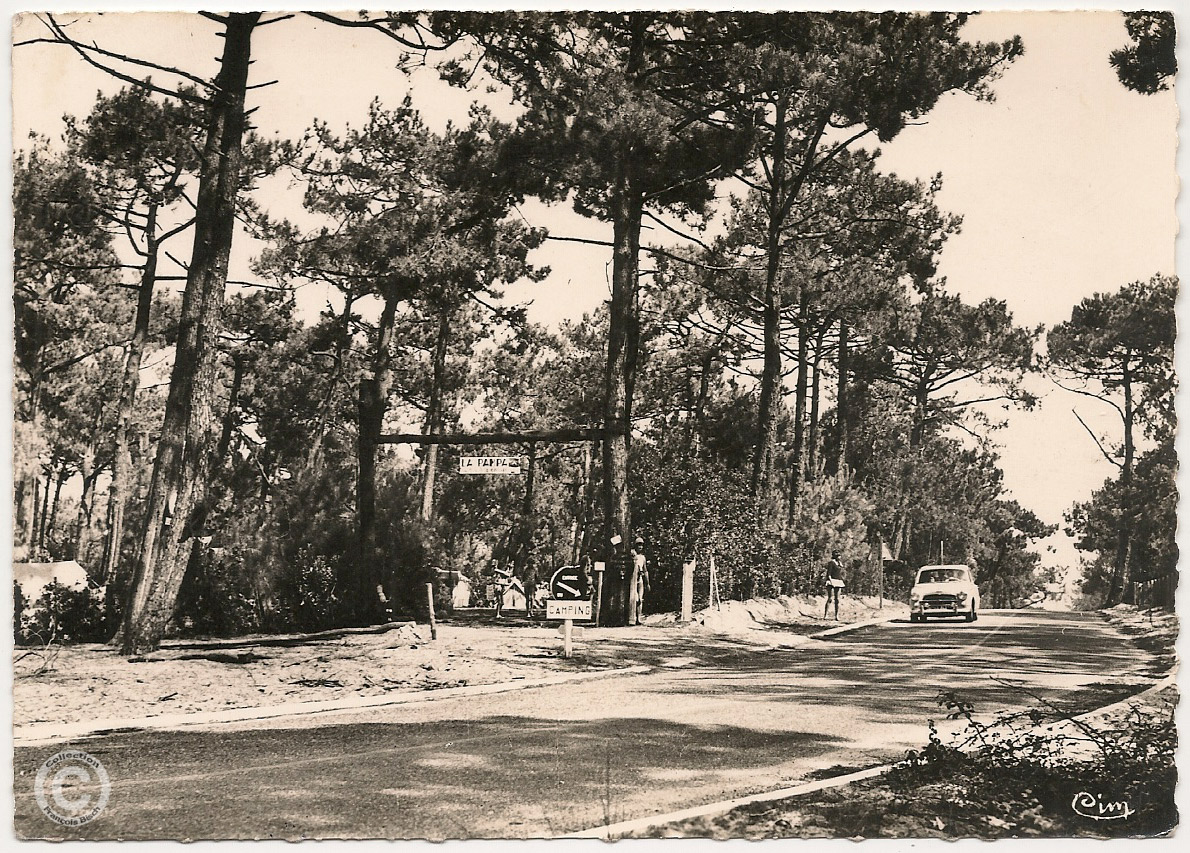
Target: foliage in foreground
{"points": [[1008, 778], [1113, 777]]}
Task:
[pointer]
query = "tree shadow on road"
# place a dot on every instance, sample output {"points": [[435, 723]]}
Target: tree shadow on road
{"points": [[501, 776]]}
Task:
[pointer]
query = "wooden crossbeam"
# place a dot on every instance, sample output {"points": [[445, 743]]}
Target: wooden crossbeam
{"points": [[572, 434]]}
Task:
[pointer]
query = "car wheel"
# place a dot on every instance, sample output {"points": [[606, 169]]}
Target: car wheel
{"points": [[971, 617]]}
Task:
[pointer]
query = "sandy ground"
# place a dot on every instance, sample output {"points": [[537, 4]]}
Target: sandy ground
{"points": [[90, 681], [77, 683], [1154, 630], [800, 614]]}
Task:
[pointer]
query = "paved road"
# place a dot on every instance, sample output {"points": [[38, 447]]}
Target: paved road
{"points": [[737, 719]]}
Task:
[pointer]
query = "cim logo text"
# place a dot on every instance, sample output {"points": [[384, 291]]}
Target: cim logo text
{"points": [[1097, 808]]}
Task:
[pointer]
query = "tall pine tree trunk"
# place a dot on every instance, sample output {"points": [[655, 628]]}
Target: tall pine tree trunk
{"points": [[373, 401], [586, 542], [82, 526], [45, 510], [122, 453], [230, 418], [180, 471], [921, 409], [798, 462], [770, 377], [578, 538], [53, 518], [434, 413], [842, 397], [1121, 573], [815, 394], [527, 549], [34, 515], [27, 486], [627, 206], [698, 416]]}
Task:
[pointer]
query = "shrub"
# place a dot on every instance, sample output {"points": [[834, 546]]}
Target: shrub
{"points": [[63, 613], [315, 604], [215, 598], [684, 509], [1011, 768], [19, 604], [410, 549]]}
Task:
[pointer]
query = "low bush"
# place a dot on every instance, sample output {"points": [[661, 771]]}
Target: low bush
{"points": [[215, 600], [315, 603], [1112, 777], [62, 614]]}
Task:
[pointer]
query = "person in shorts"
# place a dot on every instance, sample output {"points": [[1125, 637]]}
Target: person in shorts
{"points": [[834, 583], [502, 578], [641, 567]]}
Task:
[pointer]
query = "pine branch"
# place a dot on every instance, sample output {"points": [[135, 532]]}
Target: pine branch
{"points": [[1098, 443], [85, 50]]}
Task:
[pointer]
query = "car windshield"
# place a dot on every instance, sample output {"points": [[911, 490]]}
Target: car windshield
{"points": [[942, 576]]}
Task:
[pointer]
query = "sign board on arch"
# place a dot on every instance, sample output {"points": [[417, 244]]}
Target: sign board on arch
{"points": [[489, 464]]}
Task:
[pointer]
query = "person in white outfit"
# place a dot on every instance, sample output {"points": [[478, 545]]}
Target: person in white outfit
{"points": [[834, 583]]}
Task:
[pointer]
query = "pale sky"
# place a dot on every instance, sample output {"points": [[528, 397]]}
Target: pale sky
{"points": [[1066, 183]]}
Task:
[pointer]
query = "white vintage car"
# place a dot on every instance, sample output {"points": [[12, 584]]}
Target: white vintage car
{"points": [[944, 591]]}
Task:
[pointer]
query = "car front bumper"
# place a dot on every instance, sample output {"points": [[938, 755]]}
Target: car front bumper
{"points": [[939, 606]]}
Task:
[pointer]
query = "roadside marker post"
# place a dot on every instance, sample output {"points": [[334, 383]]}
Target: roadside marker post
{"points": [[688, 590], [598, 569], [713, 599], [880, 568], [433, 621]]}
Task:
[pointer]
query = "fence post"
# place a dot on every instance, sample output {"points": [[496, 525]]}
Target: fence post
{"points": [[713, 591], [433, 621], [688, 590], [880, 568]]}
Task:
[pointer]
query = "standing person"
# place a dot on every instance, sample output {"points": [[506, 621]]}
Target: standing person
{"points": [[641, 572], [503, 580], [834, 583]]}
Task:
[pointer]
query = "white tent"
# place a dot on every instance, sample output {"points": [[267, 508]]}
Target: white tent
{"points": [[458, 584], [514, 595], [35, 577]]}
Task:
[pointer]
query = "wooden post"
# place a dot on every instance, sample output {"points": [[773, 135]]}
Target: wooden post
{"points": [[433, 621], [688, 590], [598, 568], [713, 595], [567, 627], [880, 568]]}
